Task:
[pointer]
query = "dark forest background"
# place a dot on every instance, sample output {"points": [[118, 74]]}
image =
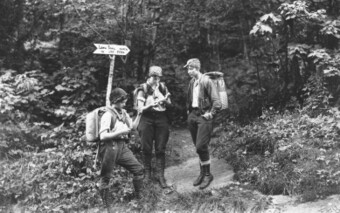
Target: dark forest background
{"points": [[280, 60]]}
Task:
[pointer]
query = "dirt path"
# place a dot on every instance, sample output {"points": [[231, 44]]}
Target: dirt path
{"points": [[183, 167]]}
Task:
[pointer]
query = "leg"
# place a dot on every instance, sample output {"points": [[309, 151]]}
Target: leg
{"points": [[146, 132], [129, 161], [199, 179], [161, 139], [109, 157], [202, 147], [193, 128]]}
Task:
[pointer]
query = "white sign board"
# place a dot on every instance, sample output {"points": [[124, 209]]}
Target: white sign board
{"points": [[111, 49]]}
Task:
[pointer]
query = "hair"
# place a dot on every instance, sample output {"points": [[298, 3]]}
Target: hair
{"points": [[121, 99], [118, 95]]}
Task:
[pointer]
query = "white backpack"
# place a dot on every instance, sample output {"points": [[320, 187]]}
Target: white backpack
{"points": [[218, 80]]}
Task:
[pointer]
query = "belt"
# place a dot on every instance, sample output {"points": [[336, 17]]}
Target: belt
{"points": [[196, 111], [152, 112], [116, 140]]}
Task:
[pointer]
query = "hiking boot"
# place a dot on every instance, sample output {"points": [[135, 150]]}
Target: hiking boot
{"points": [[138, 185], [199, 179], [107, 198], [160, 166], [207, 178], [147, 167]]}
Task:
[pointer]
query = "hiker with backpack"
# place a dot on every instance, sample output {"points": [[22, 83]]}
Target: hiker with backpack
{"points": [[152, 99], [115, 127], [203, 102]]}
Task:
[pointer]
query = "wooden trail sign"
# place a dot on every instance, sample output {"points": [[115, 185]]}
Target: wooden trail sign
{"points": [[112, 50]]}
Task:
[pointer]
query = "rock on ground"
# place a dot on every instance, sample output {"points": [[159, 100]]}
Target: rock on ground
{"points": [[286, 204]]}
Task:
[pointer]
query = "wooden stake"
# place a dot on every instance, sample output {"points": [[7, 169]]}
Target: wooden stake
{"points": [[109, 82]]}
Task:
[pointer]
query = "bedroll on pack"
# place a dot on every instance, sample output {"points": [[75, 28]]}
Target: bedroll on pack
{"points": [[92, 122], [218, 80]]}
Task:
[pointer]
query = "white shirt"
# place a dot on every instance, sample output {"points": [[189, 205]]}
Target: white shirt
{"points": [[157, 95], [195, 93], [106, 119]]}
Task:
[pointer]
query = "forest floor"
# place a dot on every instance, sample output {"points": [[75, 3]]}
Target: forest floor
{"points": [[223, 195]]}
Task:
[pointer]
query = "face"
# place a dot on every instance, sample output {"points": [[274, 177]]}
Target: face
{"points": [[192, 71], [154, 79], [121, 104]]}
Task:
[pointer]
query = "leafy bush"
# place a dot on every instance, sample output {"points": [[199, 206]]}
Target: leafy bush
{"points": [[59, 179], [47, 166], [290, 153]]}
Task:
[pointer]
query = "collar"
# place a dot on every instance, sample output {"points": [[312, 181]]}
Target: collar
{"points": [[196, 80], [119, 113], [155, 87]]}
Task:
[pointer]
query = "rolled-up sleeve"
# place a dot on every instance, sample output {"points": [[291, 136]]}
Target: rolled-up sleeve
{"points": [[105, 122]]}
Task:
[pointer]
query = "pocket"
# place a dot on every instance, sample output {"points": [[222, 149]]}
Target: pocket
{"points": [[205, 103]]}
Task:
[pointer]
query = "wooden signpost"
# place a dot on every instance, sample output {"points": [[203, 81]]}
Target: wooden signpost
{"points": [[112, 50]]}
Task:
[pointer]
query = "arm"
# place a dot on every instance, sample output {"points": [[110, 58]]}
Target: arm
{"points": [[141, 102], [215, 100], [105, 133], [166, 99], [135, 123]]}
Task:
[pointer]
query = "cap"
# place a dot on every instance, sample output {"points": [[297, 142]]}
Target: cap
{"points": [[118, 95], [193, 62], [155, 70]]}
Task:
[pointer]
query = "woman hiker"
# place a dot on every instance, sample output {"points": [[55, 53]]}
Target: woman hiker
{"points": [[152, 101]]}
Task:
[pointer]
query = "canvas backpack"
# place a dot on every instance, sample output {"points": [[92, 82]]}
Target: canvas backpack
{"points": [[144, 87], [92, 122], [218, 80]]}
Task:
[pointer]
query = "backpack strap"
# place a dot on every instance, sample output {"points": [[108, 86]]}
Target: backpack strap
{"points": [[145, 89], [162, 88], [113, 117]]}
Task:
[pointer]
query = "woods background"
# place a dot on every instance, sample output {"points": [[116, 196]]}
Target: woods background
{"points": [[278, 57]]}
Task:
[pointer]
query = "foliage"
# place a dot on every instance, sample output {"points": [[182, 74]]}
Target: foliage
{"points": [[58, 179], [49, 79], [233, 198], [290, 153], [298, 46]]}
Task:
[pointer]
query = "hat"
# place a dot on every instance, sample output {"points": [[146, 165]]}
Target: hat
{"points": [[118, 95], [155, 70], [193, 62]]}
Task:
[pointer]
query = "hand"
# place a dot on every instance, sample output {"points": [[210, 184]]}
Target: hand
{"points": [[125, 131], [164, 99], [167, 96], [207, 115]]}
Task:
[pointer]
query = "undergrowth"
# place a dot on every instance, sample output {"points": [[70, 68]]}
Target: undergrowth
{"points": [[291, 153]]}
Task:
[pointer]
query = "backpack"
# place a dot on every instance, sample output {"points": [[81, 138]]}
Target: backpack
{"points": [[218, 80], [144, 87], [92, 122]]}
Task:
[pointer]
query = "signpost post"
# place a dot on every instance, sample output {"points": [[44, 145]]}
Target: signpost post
{"points": [[112, 50]]}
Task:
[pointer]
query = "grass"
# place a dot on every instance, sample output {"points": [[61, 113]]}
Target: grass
{"points": [[232, 198]]}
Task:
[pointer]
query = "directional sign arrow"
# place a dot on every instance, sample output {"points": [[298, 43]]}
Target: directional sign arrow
{"points": [[111, 49]]}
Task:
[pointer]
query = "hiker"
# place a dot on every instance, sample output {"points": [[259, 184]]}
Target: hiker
{"points": [[202, 104], [115, 127], [152, 101]]}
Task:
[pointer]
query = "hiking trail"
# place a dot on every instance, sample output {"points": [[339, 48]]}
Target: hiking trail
{"points": [[183, 164], [183, 168]]}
